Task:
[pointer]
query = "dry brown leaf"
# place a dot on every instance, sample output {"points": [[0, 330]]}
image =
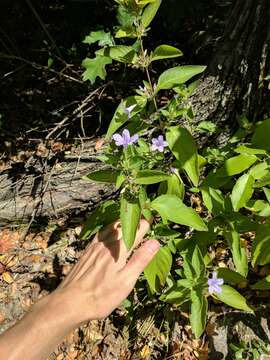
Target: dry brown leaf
{"points": [[7, 277], [8, 239], [2, 268], [41, 241], [210, 328], [99, 144], [2, 317], [26, 303], [145, 352]]}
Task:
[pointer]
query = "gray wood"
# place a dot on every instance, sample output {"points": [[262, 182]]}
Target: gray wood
{"points": [[51, 190]]}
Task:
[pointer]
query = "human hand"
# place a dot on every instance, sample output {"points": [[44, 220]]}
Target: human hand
{"points": [[103, 278], [95, 286]]}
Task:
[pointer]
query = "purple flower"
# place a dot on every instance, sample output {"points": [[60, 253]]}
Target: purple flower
{"points": [[128, 110], [173, 170], [159, 144], [214, 284], [144, 90], [125, 139]]}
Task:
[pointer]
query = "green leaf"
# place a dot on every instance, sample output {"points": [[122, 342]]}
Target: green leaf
{"points": [[170, 207], [251, 151], [241, 223], [144, 2], [107, 175], [263, 284], [231, 277], [158, 270], [120, 180], [149, 13], [103, 38], [207, 126], [233, 166], [213, 200], [130, 214], [50, 62], [120, 117], [259, 171], [95, 68], [260, 207], [267, 193], [184, 149], [242, 191], [165, 52], [198, 263], [231, 297], [175, 186], [263, 181], [239, 253], [260, 138], [176, 295], [146, 177], [236, 165], [188, 268], [261, 246], [145, 204], [198, 312], [120, 53], [105, 214], [178, 75], [163, 231]]}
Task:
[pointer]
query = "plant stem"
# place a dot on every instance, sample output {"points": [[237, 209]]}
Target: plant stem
{"points": [[148, 74]]}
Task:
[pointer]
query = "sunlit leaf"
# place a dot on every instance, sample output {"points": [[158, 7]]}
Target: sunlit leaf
{"points": [[95, 68]]}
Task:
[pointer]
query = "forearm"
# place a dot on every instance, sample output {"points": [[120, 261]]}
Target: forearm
{"points": [[40, 331]]}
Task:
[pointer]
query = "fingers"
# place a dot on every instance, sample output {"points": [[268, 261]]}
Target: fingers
{"points": [[143, 228], [110, 233], [138, 262]]}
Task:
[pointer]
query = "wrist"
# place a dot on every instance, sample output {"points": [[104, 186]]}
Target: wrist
{"points": [[56, 309]]}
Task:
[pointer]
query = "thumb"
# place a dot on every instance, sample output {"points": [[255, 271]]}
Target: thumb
{"points": [[138, 262]]}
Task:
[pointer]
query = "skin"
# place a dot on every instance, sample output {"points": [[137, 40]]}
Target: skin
{"points": [[96, 285]]}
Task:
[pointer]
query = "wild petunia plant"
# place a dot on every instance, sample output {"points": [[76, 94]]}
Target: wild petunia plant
{"points": [[199, 200]]}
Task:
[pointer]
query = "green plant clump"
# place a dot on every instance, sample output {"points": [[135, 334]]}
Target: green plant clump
{"points": [[152, 158]]}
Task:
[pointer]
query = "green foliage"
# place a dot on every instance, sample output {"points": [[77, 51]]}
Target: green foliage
{"points": [[158, 270], [260, 137], [184, 149], [165, 52], [170, 207], [103, 38], [197, 198], [178, 75], [130, 214], [95, 68], [233, 298], [105, 214]]}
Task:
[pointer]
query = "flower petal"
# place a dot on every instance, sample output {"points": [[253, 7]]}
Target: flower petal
{"points": [[126, 136], [118, 139], [134, 138], [220, 281]]}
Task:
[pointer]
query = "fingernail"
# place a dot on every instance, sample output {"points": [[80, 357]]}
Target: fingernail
{"points": [[152, 246]]}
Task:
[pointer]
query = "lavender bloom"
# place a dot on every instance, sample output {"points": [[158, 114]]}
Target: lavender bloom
{"points": [[128, 110], [173, 170], [125, 139], [159, 144], [214, 284], [144, 90]]}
